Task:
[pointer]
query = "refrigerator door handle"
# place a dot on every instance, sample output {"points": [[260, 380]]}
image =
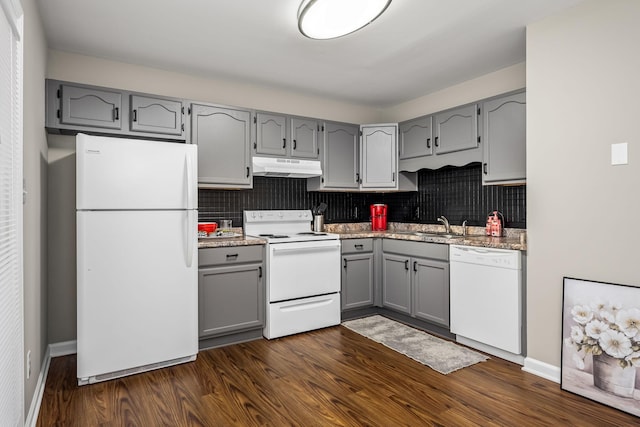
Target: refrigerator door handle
{"points": [[191, 230], [190, 180]]}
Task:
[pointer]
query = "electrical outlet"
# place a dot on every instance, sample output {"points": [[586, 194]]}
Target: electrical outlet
{"points": [[28, 364]]}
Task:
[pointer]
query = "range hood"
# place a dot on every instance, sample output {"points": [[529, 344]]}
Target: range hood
{"points": [[289, 168]]}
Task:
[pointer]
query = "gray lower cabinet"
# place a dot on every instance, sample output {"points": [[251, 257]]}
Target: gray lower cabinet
{"points": [[73, 107], [416, 279], [231, 293], [223, 136], [504, 130], [415, 138], [156, 115], [357, 274], [379, 157], [339, 156]]}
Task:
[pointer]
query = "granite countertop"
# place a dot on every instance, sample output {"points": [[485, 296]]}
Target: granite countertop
{"points": [[402, 231]]}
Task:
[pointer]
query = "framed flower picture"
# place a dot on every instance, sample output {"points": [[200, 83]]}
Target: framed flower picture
{"points": [[601, 342]]}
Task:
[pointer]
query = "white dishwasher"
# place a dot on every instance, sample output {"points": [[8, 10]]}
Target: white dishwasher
{"points": [[486, 299]]}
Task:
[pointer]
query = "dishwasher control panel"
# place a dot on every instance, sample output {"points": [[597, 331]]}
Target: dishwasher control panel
{"points": [[502, 258]]}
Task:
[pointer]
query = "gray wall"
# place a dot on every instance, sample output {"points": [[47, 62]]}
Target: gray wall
{"points": [[582, 96], [35, 208]]}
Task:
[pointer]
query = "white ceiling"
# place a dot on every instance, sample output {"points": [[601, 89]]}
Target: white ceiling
{"points": [[415, 48]]}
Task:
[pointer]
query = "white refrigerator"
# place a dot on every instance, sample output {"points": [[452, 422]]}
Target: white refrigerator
{"points": [[137, 257]]}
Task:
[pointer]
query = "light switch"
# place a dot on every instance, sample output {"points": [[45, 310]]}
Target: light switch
{"points": [[619, 154]]}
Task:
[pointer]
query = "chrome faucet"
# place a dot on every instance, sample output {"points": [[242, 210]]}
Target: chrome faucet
{"points": [[464, 227], [445, 221]]}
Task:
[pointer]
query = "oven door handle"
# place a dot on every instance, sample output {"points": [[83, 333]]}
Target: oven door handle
{"points": [[306, 249]]}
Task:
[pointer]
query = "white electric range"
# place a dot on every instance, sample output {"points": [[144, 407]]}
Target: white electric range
{"points": [[302, 271]]}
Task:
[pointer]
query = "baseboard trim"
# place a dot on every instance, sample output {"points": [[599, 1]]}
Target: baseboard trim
{"points": [[36, 400], [64, 348], [542, 369]]}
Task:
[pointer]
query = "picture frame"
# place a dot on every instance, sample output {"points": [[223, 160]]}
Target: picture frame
{"points": [[600, 357]]}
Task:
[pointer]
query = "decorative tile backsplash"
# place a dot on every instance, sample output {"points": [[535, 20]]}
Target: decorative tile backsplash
{"points": [[455, 192]]}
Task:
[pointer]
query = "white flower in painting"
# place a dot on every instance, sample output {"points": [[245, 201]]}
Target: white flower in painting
{"points": [[629, 321], [579, 361], [615, 344], [595, 328], [582, 314], [608, 316], [576, 334], [633, 358], [615, 307], [598, 305]]}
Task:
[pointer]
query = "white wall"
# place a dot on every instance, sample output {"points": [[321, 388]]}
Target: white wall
{"points": [[35, 208], [101, 72], [583, 87]]}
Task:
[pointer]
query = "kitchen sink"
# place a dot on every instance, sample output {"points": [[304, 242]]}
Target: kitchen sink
{"points": [[426, 234]]}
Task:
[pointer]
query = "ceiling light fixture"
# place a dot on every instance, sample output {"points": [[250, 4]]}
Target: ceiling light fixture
{"points": [[328, 19]]}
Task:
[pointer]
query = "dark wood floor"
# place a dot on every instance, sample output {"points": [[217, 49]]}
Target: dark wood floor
{"points": [[330, 377]]}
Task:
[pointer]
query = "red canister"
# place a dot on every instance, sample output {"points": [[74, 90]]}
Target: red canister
{"points": [[378, 217]]}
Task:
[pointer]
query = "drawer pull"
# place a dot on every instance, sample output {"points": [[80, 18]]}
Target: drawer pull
{"points": [[359, 247], [232, 256]]}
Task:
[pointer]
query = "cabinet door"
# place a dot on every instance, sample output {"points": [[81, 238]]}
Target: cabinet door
{"points": [[357, 281], [415, 138], [230, 299], [156, 115], [223, 136], [396, 283], [90, 107], [431, 290], [304, 138], [271, 134], [456, 130], [340, 159], [378, 155], [505, 139]]}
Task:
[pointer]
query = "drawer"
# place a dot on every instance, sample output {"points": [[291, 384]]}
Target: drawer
{"points": [[230, 255], [350, 246], [416, 249]]}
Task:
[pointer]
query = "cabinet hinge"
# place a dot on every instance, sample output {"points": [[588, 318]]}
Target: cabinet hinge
{"points": [[182, 126], [58, 113], [182, 110], [322, 128], [318, 128], [58, 93], [189, 111], [478, 139], [255, 120], [255, 145], [322, 179], [360, 133], [318, 151], [478, 110]]}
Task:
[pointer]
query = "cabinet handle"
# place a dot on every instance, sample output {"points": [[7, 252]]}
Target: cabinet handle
{"points": [[428, 142], [437, 141], [259, 272], [232, 256], [135, 115], [344, 263], [294, 144], [357, 177], [247, 171], [406, 264], [415, 265], [284, 142], [359, 247], [116, 113], [393, 177], [484, 168]]}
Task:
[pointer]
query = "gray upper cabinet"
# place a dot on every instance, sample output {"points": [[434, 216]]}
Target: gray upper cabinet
{"points": [[504, 130], [223, 136], [156, 115], [271, 134], [378, 156], [84, 106], [73, 107], [416, 139], [304, 138], [456, 130], [339, 149]]}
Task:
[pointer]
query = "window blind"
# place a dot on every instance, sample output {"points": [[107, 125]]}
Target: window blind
{"points": [[11, 279]]}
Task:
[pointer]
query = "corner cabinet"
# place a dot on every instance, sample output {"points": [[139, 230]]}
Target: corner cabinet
{"points": [[231, 292], [504, 131], [378, 157], [415, 279], [223, 136], [357, 274], [73, 107], [339, 148], [286, 136]]}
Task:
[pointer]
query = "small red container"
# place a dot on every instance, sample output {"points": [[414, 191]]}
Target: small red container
{"points": [[378, 217], [209, 227]]}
